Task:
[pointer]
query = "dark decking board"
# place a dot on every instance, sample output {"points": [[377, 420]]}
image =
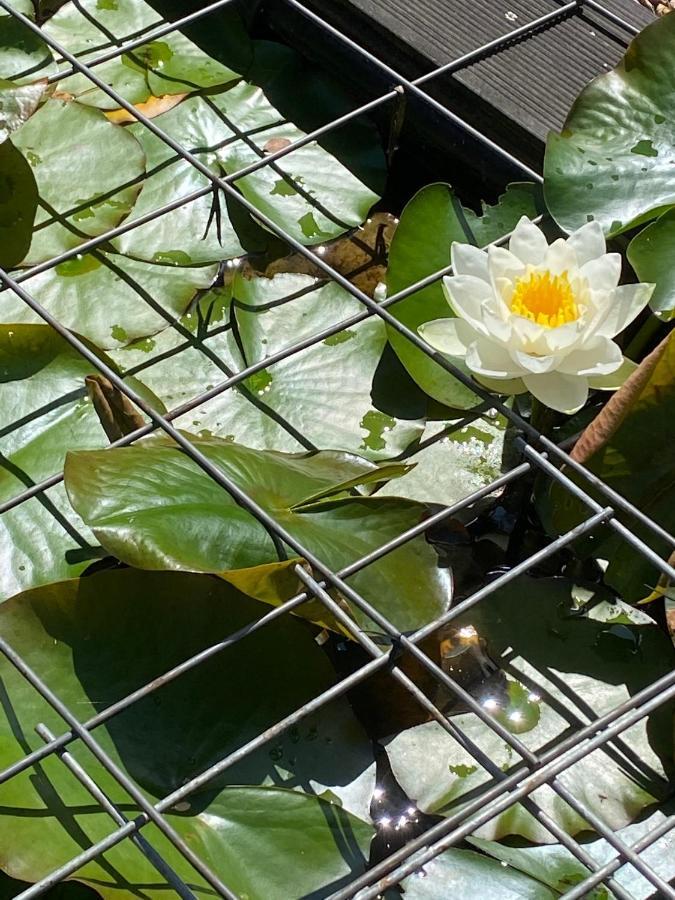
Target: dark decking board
{"points": [[515, 94]]}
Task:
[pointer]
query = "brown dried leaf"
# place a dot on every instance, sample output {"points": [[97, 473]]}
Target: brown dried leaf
{"points": [[152, 107], [117, 414], [610, 417], [359, 256]]}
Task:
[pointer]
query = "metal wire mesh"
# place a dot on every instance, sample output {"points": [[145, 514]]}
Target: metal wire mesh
{"points": [[538, 454]]}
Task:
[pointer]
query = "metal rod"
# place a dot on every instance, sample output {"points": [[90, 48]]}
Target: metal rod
{"points": [[153, 857], [149, 811], [291, 604], [546, 821], [487, 810], [146, 38]]}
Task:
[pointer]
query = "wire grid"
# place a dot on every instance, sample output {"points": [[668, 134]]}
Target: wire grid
{"points": [[538, 454]]}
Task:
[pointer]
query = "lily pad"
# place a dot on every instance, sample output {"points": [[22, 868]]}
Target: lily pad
{"points": [[494, 221], [613, 161], [154, 508], [463, 873], [431, 221], [44, 411], [309, 194], [24, 57], [572, 669], [557, 867], [232, 129], [109, 299], [188, 235], [169, 65], [464, 457], [18, 205], [18, 102], [89, 637], [320, 398], [650, 254], [88, 173]]}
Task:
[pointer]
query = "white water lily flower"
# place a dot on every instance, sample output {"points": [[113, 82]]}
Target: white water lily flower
{"points": [[540, 318]]}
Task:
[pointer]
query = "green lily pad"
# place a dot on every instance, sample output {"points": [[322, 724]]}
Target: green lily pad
{"points": [[44, 411], [224, 129], [172, 64], [18, 102], [650, 254], [431, 221], [466, 459], [187, 235], [89, 638], [493, 222], [24, 57], [556, 867], [320, 398], [87, 170], [18, 205], [140, 299], [310, 194], [152, 507], [572, 669], [614, 160], [463, 873]]}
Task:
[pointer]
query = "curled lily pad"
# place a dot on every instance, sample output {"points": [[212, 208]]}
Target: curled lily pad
{"points": [[140, 298], [431, 221], [650, 254], [18, 102], [88, 173], [89, 637], [151, 506]]}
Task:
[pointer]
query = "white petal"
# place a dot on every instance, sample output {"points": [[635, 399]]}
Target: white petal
{"points": [[469, 260], [601, 357], [628, 301], [560, 257], [565, 393], [534, 364], [485, 357], [451, 336], [613, 381], [528, 243], [502, 385], [504, 265], [602, 273], [588, 242], [545, 341], [465, 294]]}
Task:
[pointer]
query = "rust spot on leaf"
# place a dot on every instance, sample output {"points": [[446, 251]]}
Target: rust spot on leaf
{"points": [[275, 144]]}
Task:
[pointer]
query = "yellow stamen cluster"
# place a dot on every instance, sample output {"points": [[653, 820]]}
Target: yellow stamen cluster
{"points": [[543, 299]]}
